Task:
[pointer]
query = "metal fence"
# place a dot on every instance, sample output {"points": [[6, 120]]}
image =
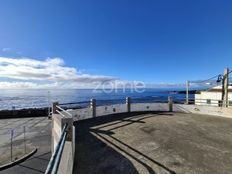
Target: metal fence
{"points": [[14, 144], [21, 136], [136, 104]]}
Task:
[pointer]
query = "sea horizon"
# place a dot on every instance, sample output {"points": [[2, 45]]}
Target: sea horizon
{"points": [[41, 98]]}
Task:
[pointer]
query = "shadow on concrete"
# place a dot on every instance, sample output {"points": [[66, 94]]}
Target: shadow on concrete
{"points": [[45, 157], [96, 156], [31, 168]]}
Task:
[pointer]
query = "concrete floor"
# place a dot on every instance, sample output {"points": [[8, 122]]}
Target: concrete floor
{"points": [[154, 143], [38, 135]]}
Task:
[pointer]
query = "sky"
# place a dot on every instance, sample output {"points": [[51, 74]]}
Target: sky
{"points": [[80, 44]]}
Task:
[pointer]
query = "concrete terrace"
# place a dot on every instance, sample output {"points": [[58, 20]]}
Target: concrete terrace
{"points": [[154, 143]]}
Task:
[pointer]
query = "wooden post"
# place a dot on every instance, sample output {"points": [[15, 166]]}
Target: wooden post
{"points": [[93, 107], [54, 108], [170, 104], [225, 85], [187, 92], [128, 104]]}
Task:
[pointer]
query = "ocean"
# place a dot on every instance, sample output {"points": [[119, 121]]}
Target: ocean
{"points": [[31, 98]]}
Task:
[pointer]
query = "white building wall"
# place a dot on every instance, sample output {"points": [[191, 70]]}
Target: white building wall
{"points": [[214, 97]]}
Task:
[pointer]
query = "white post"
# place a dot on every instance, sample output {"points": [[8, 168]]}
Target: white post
{"points": [[187, 92], [128, 104], [170, 104], [54, 108], [93, 107], [58, 123]]}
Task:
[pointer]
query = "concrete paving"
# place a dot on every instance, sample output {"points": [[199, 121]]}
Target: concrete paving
{"points": [[38, 135], [154, 143]]}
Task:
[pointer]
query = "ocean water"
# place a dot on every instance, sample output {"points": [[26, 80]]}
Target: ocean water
{"points": [[19, 99]]}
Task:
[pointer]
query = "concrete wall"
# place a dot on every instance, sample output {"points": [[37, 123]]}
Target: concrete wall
{"points": [[149, 107], [58, 122], [67, 158], [66, 163], [32, 112], [199, 109]]}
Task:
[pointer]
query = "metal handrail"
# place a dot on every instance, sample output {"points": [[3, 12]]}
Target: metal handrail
{"points": [[63, 111], [59, 112], [73, 103], [55, 159]]}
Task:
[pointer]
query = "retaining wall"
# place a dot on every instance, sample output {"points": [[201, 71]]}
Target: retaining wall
{"points": [[31, 112]]}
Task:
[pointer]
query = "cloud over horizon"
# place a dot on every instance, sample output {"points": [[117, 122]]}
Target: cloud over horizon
{"points": [[48, 73], [25, 73]]}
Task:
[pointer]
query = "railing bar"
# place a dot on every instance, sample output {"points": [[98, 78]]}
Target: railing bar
{"points": [[64, 110], [60, 108], [69, 115], [60, 113], [72, 103]]}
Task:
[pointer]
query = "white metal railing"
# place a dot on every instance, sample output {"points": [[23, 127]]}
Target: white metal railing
{"points": [[62, 111], [93, 110]]}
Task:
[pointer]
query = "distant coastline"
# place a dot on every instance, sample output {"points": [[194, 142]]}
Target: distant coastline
{"points": [[184, 92]]}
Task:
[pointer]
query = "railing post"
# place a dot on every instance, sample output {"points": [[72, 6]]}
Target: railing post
{"points": [[93, 107], [225, 85], [54, 108], [187, 92], [128, 104], [170, 104]]}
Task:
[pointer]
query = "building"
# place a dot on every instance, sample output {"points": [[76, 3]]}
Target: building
{"points": [[213, 96]]}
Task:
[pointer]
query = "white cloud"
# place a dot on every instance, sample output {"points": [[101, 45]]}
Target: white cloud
{"points": [[52, 72], [21, 73]]}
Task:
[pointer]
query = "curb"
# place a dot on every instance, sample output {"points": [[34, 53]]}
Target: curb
{"points": [[18, 161]]}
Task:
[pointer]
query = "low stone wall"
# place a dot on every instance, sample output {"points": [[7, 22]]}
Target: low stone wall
{"points": [[31, 112], [200, 109], [86, 113]]}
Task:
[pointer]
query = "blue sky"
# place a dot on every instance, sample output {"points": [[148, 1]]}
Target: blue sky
{"points": [[167, 41]]}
